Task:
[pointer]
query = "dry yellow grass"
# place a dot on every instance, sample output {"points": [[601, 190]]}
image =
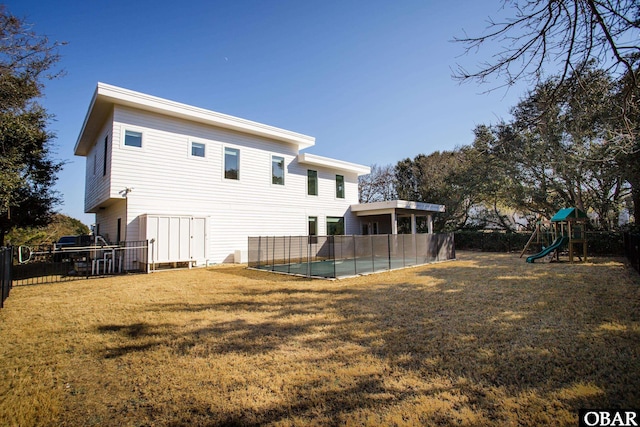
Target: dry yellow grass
{"points": [[485, 340]]}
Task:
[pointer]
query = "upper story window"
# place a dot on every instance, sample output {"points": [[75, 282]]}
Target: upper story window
{"points": [[132, 138], [104, 158], [197, 149], [231, 163], [312, 182], [277, 170], [340, 186]]}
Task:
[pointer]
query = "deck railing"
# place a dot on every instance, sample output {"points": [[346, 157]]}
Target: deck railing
{"points": [[49, 264]]}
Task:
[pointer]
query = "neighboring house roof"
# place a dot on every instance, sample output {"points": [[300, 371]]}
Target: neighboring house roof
{"points": [[568, 213], [106, 96], [398, 206], [314, 160]]}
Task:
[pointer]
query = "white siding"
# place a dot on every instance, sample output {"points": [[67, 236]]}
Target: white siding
{"points": [[107, 218], [97, 188], [166, 180]]}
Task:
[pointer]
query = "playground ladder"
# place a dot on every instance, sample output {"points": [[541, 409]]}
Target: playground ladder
{"points": [[535, 233]]}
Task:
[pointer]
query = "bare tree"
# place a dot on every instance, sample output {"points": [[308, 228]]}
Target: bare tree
{"points": [[566, 34], [378, 186]]}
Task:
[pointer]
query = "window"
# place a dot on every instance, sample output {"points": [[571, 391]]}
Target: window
{"points": [[312, 182], [231, 163], [335, 226], [197, 149], [313, 230], [370, 228], [104, 160], [313, 226], [95, 163], [277, 170], [132, 139], [339, 186]]}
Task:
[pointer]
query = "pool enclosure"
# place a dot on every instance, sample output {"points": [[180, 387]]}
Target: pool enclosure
{"points": [[341, 256]]}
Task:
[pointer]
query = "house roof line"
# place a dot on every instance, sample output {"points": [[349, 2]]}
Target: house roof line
{"points": [[315, 160], [105, 96], [375, 208]]}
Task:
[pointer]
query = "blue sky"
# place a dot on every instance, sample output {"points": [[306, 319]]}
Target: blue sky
{"points": [[370, 80]]}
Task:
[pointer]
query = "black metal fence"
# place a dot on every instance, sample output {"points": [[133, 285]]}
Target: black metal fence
{"points": [[492, 241], [48, 264], [337, 256], [598, 242], [5, 274], [632, 249]]}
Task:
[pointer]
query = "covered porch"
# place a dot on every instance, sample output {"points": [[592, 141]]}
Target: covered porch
{"points": [[396, 217]]}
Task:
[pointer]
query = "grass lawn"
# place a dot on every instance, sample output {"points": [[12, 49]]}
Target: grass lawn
{"points": [[484, 340]]}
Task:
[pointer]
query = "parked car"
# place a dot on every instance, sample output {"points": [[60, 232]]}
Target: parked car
{"points": [[70, 247]]}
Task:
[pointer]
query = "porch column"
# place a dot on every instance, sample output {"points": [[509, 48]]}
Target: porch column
{"points": [[394, 223], [430, 223], [413, 223]]}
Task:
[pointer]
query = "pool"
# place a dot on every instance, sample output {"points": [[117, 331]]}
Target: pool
{"points": [[344, 256]]}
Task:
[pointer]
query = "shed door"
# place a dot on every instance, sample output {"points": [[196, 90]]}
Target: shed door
{"points": [[198, 238], [177, 238]]}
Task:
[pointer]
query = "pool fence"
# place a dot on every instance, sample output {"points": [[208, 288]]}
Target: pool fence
{"points": [[347, 255]]}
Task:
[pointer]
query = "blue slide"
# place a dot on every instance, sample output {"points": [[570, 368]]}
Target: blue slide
{"points": [[559, 242]]}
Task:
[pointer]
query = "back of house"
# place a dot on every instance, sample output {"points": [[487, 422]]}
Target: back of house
{"points": [[197, 183]]}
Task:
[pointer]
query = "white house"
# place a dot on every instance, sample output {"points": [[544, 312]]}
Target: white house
{"points": [[199, 182]]}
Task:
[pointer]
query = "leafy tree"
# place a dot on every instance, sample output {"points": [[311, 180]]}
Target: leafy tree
{"points": [[60, 225], [486, 176], [557, 151], [27, 170], [436, 178], [378, 186], [407, 180], [571, 36], [627, 138]]}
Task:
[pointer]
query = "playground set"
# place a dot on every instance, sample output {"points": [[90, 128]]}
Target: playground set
{"points": [[566, 228]]}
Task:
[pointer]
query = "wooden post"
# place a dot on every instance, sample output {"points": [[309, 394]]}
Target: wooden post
{"points": [[571, 241]]}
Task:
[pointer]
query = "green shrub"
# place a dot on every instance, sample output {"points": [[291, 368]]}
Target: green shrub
{"points": [[605, 243]]}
